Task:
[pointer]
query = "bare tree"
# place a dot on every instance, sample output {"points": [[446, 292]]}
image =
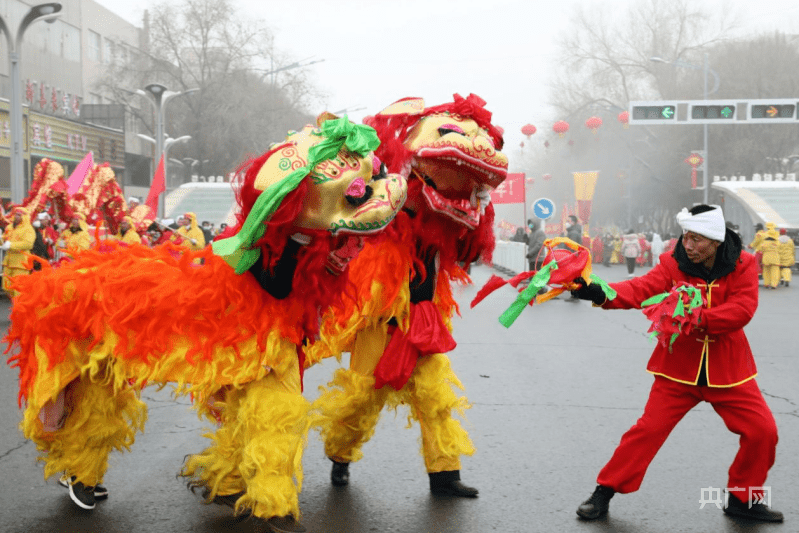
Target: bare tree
{"points": [[606, 55], [604, 63], [238, 111]]}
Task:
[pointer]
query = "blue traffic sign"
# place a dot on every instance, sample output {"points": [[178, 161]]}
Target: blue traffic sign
{"points": [[544, 208]]}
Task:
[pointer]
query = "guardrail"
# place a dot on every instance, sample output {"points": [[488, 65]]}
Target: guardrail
{"points": [[511, 256]]}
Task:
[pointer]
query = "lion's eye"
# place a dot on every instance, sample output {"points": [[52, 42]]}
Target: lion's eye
{"points": [[450, 128], [382, 173]]}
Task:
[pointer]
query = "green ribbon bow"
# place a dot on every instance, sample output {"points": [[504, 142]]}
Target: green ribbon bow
{"points": [[238, 250]]}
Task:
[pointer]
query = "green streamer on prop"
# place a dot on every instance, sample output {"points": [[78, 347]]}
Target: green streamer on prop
{"points": [[679, 309], [524, 298], [656, 299], [238, 251], [610, 293], [697, 298], [673, 338]]}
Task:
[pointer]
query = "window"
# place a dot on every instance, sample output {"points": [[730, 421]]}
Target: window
{"points": [[108, 51], [94, 46], [70, 43]]}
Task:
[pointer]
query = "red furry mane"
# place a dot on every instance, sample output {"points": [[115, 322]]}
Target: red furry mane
{"points": [[313, 284]]}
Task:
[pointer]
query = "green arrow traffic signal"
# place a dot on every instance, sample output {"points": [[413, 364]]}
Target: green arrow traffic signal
{"points": [[667, 112], [726, 112]]}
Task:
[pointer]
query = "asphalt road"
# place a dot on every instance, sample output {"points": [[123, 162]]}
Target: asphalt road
{"points": [[551, 398]]}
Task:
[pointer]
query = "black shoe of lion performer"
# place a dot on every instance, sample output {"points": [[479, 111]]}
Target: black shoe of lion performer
{"points": [[597, 505], [448, 483], [100, 492], [340, 474], [82, 495]]}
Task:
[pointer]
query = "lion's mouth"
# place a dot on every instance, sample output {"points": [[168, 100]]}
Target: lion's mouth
{"points": [[485, 170], [465, 212]]}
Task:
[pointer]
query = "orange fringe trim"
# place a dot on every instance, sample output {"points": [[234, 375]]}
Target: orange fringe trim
{"points": [[379, 290], [151, 303]]}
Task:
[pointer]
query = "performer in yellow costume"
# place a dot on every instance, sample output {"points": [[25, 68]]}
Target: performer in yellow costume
{"points": [[769, 247], [76, 237], [18, 240], [787, 252], [193, 236], [397, 330], [235, 342], [127, 233]]}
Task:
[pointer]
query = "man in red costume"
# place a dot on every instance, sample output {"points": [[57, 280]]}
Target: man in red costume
{"points": [[713, 363]]}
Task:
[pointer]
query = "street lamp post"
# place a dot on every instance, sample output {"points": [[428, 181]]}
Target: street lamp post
{"points": [[47, 12], [706, 68], [167, 143], [158, 95]]}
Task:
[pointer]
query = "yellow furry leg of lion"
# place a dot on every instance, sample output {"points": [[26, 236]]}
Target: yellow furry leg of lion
{"points": [[432, 399], [99, 420], [217, 468], [350, 406], [258, 449]]}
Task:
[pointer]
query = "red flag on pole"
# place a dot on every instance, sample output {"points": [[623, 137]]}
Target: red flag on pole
{"points": [[157, 187]]}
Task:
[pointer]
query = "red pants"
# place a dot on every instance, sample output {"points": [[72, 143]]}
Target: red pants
{"points": [[743, 410]]}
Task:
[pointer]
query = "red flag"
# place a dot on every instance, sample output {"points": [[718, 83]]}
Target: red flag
{"points": [[157, 187]]}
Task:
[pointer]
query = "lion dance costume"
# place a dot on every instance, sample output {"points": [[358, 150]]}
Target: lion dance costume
{"points": [[397, 329], [93, 332]]}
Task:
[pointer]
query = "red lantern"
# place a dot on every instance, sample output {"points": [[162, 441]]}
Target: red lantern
{"points": [[560, 127], [546, 144], [624, 118], [521, 144], [528, 129], [547, 177], [593, 124]]}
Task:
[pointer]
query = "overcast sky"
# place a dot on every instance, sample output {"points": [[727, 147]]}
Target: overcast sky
{"points": [[378, 51]]}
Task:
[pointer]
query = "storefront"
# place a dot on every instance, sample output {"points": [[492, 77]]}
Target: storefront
{"points": [[62, 140], [68, 142]]}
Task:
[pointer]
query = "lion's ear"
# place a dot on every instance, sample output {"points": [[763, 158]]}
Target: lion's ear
{"points": [[324, 117]]}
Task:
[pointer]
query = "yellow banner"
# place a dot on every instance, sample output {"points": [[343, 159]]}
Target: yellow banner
{"points": [[584, 183]]}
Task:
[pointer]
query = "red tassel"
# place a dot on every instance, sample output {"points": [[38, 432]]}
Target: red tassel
{"points": [[493, 283], [515, 280]]}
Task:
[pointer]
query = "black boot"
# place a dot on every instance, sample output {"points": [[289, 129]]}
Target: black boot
{"points": [[340, 474], [755, 511], [448, 483], [597, 505]]}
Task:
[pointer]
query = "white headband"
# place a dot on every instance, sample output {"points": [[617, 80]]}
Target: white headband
{"points": [[709, 224]]}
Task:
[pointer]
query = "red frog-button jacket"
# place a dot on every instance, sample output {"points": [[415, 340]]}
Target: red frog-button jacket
{"points": [[721, 343]]}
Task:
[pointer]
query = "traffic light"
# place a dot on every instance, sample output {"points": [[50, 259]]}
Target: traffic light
{"points": [[774, 111], [711, 113], [654, 114]]}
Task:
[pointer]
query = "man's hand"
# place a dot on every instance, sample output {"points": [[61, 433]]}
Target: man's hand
{"points": [[591, 292], [194, 242], [6, 245]]}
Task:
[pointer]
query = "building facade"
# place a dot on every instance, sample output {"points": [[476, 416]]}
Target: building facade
{"points": [[65, 110]]}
